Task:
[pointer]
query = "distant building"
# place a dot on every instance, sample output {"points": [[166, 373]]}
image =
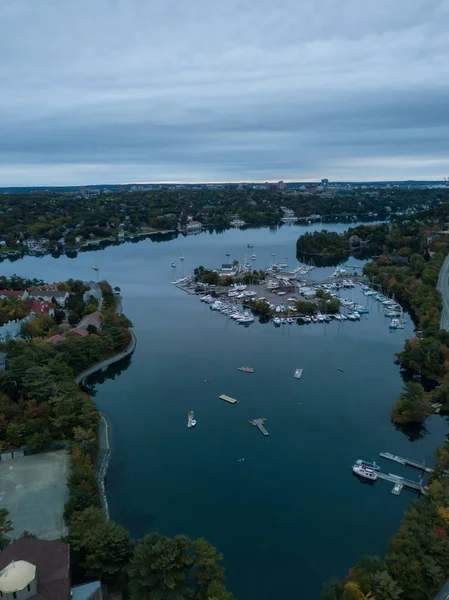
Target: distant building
{"points": [[11, 294], [38, 307], [48, 295], [228, 270], [193, 227], [237, 223], [281, 185], [31, 569]]}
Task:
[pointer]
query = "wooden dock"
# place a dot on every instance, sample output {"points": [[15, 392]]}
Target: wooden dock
{"points": [[246, 369], [228, 399], [416, 486], [408, 462], [259, 423]]}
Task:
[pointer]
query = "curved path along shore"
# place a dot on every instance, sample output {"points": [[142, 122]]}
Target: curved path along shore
{"points": [[108, 361], [104, 425], [443, 287]]}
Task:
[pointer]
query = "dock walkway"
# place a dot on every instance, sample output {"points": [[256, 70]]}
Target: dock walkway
{"points": [[408, 462], [408, 483], [259, 423]]}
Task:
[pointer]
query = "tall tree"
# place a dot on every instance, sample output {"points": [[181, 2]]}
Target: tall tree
{"points": [[160, 567], [104, 548], [5, 528], [207, 569]]}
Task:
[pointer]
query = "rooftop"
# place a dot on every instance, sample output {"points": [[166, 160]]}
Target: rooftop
{"points": [[13, 293], [51, 561]]}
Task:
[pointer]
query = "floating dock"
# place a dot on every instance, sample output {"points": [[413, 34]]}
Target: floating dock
{"points": [[228, 399], [259, 423], [246, 369], [416, 486], [408, 462]]}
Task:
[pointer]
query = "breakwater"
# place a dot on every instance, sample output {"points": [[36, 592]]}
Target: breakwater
{"points": [[104, 427]]}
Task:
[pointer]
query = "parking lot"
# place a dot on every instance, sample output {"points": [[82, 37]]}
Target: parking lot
{"points": [[33, 489]]}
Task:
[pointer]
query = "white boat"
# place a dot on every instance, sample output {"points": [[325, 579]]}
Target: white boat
{"points": [[253, 257], [362, 471], [246, 319], [284, 321], [289, 320], [297, 374], [370, 465], [191, 422], [394, 323], [173, 264], [276, 321]]}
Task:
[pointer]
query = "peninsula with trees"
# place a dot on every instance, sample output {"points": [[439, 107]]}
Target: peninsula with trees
{"points": [[66, 328]]}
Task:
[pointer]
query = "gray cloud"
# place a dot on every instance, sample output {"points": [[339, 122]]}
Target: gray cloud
{"points": [[127, 90]]}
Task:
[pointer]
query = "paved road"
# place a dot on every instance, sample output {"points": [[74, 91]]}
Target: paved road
{"points": [[443, 287]]}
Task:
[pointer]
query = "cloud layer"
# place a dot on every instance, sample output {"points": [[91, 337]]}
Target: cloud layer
{"points": [[138, 90]]}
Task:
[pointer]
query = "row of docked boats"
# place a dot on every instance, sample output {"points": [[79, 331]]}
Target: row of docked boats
{"points": [[278, 321], [244, 317], [391, 308]]}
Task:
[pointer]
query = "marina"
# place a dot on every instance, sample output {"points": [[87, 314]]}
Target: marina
{"points": [[362, 467], [259, 424], [282, 294]]}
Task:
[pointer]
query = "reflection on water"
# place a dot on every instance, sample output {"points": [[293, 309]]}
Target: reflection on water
{"points": [[111, 372]]}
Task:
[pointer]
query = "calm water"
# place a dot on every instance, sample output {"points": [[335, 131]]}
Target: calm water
{"points": [[291, 511]]}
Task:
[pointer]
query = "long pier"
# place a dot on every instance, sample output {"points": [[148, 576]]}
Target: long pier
{"points": [[408, 462], [408, 483], [259, 423]]}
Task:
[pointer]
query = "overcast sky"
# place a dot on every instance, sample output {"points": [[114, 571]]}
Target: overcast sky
{"points": [[112, 91]]}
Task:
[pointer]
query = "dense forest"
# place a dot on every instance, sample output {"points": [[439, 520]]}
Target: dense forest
{"points": [[59, 218]]}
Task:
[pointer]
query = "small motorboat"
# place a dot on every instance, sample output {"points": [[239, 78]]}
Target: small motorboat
{"points": [[173, 264], [191, 422], [298, 373]]}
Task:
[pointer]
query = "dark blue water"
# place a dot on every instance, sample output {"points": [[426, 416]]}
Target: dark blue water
{"points": [[291, 515]]}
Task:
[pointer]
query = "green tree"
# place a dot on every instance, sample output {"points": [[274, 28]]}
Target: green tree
{"points": [[5, 528], [103, 548], [207, 569], [160, 567], [412, 405], [217, 591], [332, 590], [385, 587]]}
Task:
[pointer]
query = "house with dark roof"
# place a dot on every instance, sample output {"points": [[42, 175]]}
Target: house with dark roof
{"points": [[33, 569]]}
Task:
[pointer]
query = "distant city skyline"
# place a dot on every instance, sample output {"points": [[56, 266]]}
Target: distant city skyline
{"points": [[191, 91]]}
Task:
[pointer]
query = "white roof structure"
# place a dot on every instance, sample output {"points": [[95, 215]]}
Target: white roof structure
{"points": [[16, 576]]}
